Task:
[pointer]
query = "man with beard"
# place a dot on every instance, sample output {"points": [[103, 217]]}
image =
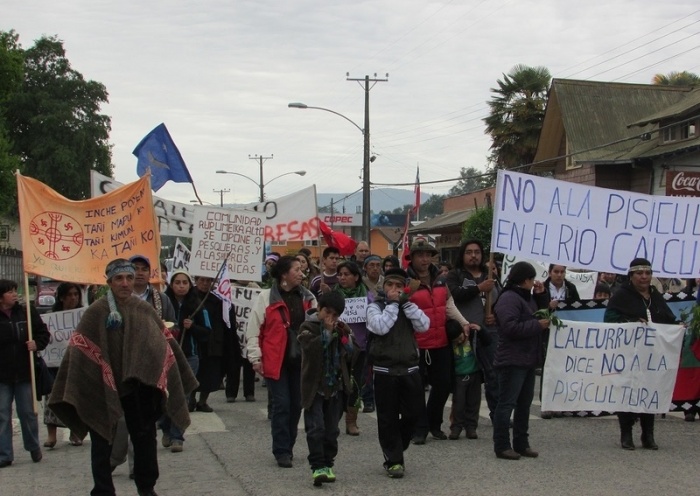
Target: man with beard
{"points": [[469, 283]]}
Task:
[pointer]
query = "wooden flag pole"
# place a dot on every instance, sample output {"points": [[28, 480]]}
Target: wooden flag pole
{"points": [[32, 373], [487, 306]]}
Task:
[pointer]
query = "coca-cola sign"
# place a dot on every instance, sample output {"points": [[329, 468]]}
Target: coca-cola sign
{"points": [[682, 183]]}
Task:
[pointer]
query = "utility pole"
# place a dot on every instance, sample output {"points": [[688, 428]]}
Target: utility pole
{"points": [[261, 184], [221, 192], [366, 161]]}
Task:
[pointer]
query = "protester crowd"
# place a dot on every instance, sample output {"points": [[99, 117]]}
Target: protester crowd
{"points": [[145, 355]]}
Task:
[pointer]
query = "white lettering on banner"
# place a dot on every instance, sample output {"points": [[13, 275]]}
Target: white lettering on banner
{"points": [[243, 299], [628, 367], [342, 220], [237, 234], [595, 228], [355, 310], [61, 326]]}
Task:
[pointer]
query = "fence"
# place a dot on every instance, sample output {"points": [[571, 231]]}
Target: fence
{"points": [[11, 265]]}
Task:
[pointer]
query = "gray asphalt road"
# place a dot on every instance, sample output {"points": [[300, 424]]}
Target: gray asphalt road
{"points": [[228, 453]]}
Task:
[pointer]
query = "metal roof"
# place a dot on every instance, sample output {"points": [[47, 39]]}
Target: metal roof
{"points": [[442, 221], [595, 119]]}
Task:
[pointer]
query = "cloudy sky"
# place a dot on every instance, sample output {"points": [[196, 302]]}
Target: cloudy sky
{"points": [[221, 73]]}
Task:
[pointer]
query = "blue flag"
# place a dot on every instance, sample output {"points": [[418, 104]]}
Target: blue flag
{"points": [[158, 152]]}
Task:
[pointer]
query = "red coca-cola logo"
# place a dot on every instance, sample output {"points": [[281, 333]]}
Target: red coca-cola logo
{"points": [[683, 182]]}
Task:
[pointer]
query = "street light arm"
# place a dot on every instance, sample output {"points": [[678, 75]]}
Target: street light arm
{"points": [[237, 174], [299, 173], [303, 106]]}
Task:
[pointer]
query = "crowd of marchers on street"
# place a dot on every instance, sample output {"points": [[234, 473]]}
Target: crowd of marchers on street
{"points": [[144, 355]]}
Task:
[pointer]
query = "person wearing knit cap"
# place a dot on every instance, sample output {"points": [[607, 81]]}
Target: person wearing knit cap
{"points": [[393, 321], [373, 278], [141, 373], [636, 300], [270, 261], [430, 293]]}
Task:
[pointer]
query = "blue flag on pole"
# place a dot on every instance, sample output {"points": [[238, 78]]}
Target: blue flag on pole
{"points": [[158, 152]]}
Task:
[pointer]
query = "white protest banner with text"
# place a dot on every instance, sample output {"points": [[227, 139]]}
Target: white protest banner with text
{"points": [[181, 256], [290, 218], [355, 310], [61, 326], [243, 299], [592, 228], [595, 366], [584, 281], [221, 232], [174, 219]]}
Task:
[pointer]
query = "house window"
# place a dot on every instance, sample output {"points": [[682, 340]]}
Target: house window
{"points": [[670, 134], [311, 242], [687, 130], [278, 243]]}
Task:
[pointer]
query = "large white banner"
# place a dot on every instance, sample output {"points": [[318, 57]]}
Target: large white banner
{"points": [[290, 218], [595, 228], [174, 219], [597, 366], [61, 326], [222, 233]]}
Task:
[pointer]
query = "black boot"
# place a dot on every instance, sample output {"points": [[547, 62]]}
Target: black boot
{"points": [[626, 423], [647, 421]]}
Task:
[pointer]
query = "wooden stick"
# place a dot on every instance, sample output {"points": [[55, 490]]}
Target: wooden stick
{"points": [[487, 306], [32, 374]]}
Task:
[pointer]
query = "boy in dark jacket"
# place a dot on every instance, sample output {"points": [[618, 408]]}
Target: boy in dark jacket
{"points": [[398, 387], [466, 394], [326, 354]]}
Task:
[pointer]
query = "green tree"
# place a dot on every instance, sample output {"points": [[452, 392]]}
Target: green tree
{"points": [[473, 179], [432, 207], [11, 75], [54, 122], [674, 78], [517, 111], [478, 226]]}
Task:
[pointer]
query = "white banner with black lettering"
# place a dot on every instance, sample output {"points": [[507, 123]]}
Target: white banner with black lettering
{"points": [[595, 229], [595, 366], [61, 326]]}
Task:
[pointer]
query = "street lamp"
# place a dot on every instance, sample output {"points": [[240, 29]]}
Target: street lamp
{"points": [[365, 162], [260, 184]]}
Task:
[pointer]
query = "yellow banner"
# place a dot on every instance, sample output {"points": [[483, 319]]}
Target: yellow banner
{"points": [[74, 240]]}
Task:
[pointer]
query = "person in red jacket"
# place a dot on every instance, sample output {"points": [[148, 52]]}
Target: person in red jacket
{"points": [[429, 292], [274, 351]]}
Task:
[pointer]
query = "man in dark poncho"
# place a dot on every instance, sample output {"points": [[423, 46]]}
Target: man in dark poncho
{"points": [[122, 361]]}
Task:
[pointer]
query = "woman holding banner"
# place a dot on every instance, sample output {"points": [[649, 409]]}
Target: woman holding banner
{"points": [[67, 298], [350, 285], [519, 352], [15, 382], [638, 301], [275, 353]]}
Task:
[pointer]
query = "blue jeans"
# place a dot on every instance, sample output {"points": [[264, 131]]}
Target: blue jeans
{"points": [[516, 388], [285, 394], [321, 425], [21, 393], [165, 423]]}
